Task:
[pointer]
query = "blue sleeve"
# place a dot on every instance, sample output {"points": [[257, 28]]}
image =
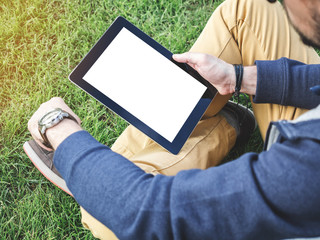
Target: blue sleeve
{"points": [[258, 196], [287, 82]]}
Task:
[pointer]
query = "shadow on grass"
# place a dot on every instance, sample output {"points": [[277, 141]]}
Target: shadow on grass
{"points": [[255, 144]]}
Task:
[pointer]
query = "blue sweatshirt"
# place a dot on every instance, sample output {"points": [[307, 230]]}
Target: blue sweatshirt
{"points": [[271, 195]]}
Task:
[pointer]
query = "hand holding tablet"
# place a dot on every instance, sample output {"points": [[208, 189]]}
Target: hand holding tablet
{"points": [[135, 77]]}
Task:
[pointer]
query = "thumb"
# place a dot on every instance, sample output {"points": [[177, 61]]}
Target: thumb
{"points": [[192, 59], [184, 57]]}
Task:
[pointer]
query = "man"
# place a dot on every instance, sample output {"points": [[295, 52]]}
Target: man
{"points": [[272, 195]]}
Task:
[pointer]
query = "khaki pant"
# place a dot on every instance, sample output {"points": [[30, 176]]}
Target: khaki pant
{"points": [[239, 31]]}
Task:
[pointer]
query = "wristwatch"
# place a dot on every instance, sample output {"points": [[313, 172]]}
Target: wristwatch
{"points": [[51, 119]]}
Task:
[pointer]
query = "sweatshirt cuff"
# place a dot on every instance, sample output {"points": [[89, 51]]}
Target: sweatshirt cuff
{"points": [[270, 83]]}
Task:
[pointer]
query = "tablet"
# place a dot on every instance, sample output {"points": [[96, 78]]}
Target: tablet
{"points": [[136, 77]]}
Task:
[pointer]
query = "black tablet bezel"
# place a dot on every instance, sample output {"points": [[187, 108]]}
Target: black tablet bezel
{"points": [[78, 73]]}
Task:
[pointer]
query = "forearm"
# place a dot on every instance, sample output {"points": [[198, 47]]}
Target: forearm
{"points": [[136, 205], [249, 82], [284, 81]]}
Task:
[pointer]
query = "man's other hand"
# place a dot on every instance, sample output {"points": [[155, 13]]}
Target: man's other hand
{"points": [[57, 133], [219, 73]]}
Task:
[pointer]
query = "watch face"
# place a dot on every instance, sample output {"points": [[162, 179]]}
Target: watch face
{"points": [[51, 118]]}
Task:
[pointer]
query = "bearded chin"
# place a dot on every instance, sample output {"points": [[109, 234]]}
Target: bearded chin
{"points": [[309, 42], [315, 41]]}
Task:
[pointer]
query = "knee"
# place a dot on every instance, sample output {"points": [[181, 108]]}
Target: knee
{"points": [[243, 7], [248, 4], [248, 10]]}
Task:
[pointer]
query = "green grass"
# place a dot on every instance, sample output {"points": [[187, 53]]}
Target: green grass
{"points": [[41, 41]]}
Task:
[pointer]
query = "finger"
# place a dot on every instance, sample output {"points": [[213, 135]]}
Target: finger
{"points": [[189, 57], [183, 57], [179, 57]]}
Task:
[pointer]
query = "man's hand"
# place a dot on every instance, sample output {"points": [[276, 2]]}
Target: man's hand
{"points": [[219, 73], [57, 133]]}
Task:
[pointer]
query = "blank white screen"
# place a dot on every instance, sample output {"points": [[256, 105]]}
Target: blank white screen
{"points": [[146, 84]]}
